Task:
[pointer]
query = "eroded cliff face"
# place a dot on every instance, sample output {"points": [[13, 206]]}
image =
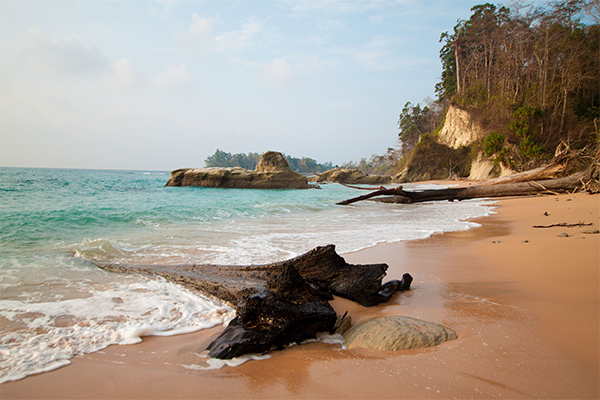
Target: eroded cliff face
{"points": [[455, 152], [460, 129]]}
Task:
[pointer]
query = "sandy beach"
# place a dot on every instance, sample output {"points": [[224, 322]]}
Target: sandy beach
{"points": [[524, 301]]}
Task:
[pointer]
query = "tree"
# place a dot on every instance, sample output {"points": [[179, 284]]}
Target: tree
{"points": [[412, 123]]}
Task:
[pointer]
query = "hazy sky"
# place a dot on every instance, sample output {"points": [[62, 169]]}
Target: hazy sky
{"points": [[162, 84]]}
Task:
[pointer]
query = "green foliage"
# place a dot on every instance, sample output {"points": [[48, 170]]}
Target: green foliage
{"points": [[415, 122], [224, 159], [412, 124], [526, 126], [529, 149], [540, 61], [525, 120], [493, 143], [386, 164], [250, 161]]}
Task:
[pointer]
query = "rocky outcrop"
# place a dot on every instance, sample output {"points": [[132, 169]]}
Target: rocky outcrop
{"points": [[452, 152], [393, 333], [272, 172], [352, 177], [431, 160], [484, 168], [280, 303], [459, 129]]}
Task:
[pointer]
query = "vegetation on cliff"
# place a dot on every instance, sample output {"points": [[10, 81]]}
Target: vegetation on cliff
{"points": [[529, 75]]}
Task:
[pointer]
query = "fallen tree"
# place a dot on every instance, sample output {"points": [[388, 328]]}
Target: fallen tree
{"points": [[281, 303], [546, 179], [553, 186]]}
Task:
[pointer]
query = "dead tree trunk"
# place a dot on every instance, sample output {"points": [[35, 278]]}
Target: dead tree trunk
{"points": [[398, 195], [546, 172]]}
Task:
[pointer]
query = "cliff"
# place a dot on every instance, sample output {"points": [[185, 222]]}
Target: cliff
{"points": [[454, 152]]}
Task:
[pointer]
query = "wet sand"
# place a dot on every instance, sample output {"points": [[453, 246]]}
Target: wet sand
{"points": [[524, 302]]}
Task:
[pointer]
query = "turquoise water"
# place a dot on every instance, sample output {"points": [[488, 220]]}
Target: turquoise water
{"points": [[55, 304]]}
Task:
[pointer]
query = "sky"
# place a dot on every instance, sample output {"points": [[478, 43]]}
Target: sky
{"points": [[160, 85]]}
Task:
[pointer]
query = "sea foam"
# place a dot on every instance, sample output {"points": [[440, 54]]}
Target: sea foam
{"points": [[45, 335]]}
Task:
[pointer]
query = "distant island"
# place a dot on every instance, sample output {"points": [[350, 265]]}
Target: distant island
{"points": [[249, 161]]}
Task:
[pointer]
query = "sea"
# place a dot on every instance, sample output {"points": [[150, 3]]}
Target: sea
{"points": [[55, 304]]}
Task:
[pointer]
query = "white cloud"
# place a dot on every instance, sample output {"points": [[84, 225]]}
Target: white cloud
{"points": [[198, 36], [175, 77], [377, 18], [65, 55], [336, 6], [277, 72], [238, 39], [200, 26], [125, 75], [380, 54]]}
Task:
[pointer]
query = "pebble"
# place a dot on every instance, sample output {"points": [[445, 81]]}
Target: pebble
{"points": [[496, 241], [525, 241], [591, 231], [563, 235]]}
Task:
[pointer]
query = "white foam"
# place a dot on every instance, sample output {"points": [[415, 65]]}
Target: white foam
{"points": [[46, 335], [217, 363]]}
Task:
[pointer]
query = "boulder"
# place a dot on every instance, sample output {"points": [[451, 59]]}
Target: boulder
{"points": [[286, 311], [272, 172], [393, 333], [279, 303], [352, 177]]}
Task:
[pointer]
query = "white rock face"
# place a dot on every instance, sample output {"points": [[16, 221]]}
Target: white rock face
{"points": [[459, 129], [482, 168]]}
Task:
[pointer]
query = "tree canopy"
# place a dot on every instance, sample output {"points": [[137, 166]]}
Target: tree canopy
{"points": [[531, 74], [250, 160]]}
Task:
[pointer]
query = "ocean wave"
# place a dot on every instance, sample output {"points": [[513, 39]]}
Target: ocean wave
{"points": [[39, 336]]}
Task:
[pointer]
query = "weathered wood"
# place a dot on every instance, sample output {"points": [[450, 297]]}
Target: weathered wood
{"points": [[281, 303], [551, 171], [564, 225], [397, 195], [380, 192]]}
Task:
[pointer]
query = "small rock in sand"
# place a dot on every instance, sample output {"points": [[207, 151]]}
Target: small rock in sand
{"points": [[591, 231], [397, 332], [564, 234]]}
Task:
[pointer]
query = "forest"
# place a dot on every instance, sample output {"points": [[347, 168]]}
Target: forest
{"points": [[529, 75]]}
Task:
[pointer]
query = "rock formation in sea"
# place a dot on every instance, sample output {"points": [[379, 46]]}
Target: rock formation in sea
{"points": [[281, 303], [352, 177], [272, 172]]}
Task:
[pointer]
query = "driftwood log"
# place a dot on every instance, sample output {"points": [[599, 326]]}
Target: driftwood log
{"points": [[281, 303], [398, 195]]}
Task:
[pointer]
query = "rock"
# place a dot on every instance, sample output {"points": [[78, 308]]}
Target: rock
{"points": [[393, 333], [564, 234], [431, 160], [287, 311], [591, 231], [281, 303], [272, 172], [352, 177]]}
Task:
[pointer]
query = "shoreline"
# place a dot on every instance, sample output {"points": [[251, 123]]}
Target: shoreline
{"points": [[527, 316]]}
